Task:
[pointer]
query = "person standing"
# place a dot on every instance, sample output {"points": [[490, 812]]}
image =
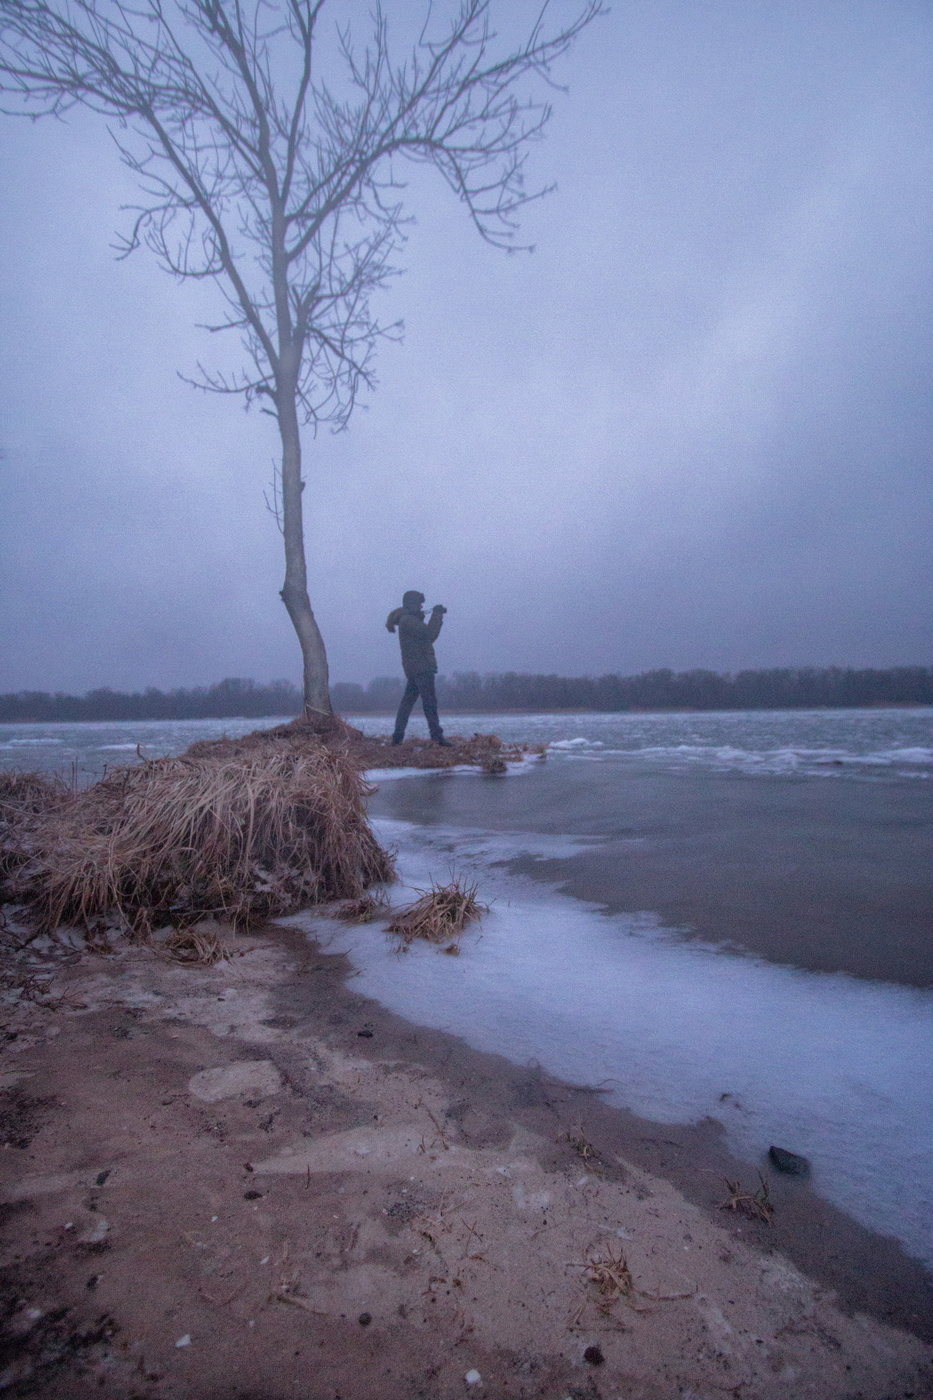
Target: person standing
{"points": [[417, 638]]}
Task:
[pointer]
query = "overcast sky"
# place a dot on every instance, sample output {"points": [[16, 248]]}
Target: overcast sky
{"points": [[694, 428]]}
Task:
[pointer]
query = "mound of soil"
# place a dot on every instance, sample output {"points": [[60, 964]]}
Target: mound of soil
{"points": [[365, 751]]}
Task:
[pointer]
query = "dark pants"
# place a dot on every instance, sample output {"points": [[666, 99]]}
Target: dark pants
{"points": [[422, 685]]}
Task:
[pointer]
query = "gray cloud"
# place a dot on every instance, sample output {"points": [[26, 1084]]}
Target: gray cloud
{"points": [[694, 428]]}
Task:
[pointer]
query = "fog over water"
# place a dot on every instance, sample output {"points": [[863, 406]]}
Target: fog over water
{"points": [[693, 429]]}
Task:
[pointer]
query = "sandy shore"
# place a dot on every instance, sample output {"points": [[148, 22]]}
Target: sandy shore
{"points": [[245, 1182]]}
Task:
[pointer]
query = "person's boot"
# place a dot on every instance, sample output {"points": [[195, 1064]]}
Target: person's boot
{"points": [[441, 742], [397, 739]]}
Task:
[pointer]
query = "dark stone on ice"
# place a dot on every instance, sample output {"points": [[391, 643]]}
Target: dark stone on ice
{"points": [[789, 1162], [594, 1356], [365, 1319]]}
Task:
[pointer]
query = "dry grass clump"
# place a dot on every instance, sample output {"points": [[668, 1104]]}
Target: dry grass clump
{"points": [[24, 797], [756, 1205], [29, 793], [439, 916], [485, 751], [182, 839], [610, 1272]]}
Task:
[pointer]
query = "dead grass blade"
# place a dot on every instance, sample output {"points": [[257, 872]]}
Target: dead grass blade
{"points": [[286, 1294], [440, 915], [585, 1150]]}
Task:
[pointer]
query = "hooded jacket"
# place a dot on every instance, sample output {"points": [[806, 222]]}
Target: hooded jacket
{"points": [[416, 637]]}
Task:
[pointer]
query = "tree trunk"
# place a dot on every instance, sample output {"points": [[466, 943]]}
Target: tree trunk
{"points": [[294, 592]]}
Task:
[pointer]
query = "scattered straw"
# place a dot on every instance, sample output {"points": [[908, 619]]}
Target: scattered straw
{"points": [[20, 985], [362, 910], [195, 946], [440, 915], [611, 1276]]}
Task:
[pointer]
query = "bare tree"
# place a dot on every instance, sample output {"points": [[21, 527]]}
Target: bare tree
{"points": [[269, 162]]}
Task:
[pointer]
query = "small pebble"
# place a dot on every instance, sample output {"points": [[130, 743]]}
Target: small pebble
{"points": [[365, 1319], [472, 1378], [594, 1356], [184, 1341]]}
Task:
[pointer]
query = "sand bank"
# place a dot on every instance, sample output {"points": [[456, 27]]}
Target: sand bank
{"points": [[246, 1182]]}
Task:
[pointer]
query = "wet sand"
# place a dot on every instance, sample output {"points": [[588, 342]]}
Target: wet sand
{"points": [[255, 1158]]}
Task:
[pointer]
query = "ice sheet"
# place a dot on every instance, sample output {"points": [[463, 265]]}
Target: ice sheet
{"points": [[833, 1067]]}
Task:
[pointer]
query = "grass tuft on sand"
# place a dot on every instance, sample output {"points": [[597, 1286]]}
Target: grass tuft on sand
{"points": [[176, 840], [610, 1273], [756, 1205]]}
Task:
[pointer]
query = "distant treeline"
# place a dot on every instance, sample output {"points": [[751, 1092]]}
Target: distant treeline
{"points": [[230, 699], [787, 689]]}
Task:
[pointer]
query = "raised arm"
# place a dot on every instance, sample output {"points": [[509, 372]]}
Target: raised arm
{"points": [[435, 622], [414, 627]]}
